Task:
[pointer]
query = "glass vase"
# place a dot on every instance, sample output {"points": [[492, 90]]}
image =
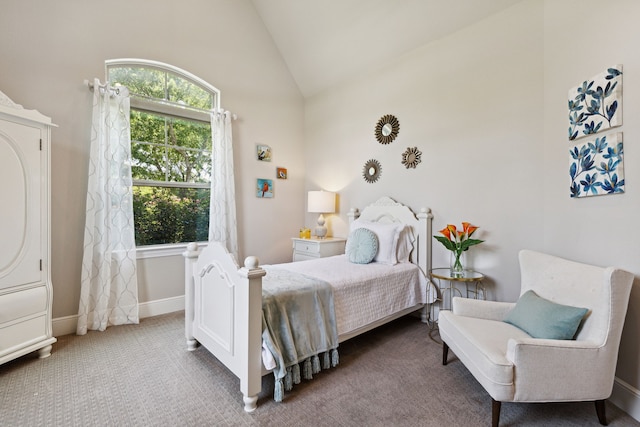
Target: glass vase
{"points": [[457, 264]]}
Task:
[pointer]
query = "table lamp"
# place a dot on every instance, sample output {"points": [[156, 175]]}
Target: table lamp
{"points": [[321, 202]]}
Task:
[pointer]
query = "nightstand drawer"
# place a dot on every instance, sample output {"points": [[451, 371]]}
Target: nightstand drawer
{"points": [[300, 256], [309, 247], [304, 249]]}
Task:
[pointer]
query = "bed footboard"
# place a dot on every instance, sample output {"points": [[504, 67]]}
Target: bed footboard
{"points": [[223, 313]]}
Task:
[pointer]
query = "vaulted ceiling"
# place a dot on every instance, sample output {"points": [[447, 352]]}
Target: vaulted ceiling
{"points": [[325, 42]]}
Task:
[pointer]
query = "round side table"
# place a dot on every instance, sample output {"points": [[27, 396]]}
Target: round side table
{"points": [[471, 279]]}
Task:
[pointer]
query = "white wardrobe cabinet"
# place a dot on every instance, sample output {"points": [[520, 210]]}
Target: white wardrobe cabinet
{"points": [[25, 279]]}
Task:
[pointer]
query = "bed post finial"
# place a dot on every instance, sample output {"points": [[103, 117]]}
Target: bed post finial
{"points": [[192, 250], [251, 262]]}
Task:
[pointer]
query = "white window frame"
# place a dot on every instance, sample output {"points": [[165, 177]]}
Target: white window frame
{"points": [[172, 109]]}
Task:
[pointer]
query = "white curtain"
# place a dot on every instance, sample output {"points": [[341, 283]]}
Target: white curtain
{"points": [[222, 211], [109, 287]]}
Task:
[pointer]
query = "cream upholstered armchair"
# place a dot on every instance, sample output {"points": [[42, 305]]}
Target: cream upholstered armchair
{"points": [[569, 300]]}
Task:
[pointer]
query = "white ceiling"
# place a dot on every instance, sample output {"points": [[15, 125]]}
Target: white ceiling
{"points": [[325, 42]]}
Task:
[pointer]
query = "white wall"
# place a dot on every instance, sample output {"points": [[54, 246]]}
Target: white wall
{"points": [[472, 103], [49, 48], [581, 39]]}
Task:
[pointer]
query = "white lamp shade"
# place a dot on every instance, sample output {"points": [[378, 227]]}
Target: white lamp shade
{"points": [[321, 202]]}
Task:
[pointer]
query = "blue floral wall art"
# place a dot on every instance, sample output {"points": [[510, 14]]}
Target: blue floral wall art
{"points": [[596, 105], [597, 167]]}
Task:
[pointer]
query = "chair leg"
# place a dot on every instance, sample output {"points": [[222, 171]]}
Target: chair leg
{"points": [[495, 412], [602, 417], [445, 352]]}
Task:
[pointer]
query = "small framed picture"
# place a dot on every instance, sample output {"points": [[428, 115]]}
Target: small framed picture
{"points": [[281, 173], [263, 153], [264, 188]]}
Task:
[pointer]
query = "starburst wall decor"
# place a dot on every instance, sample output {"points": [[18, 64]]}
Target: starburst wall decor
{"points": [[411, 157]]}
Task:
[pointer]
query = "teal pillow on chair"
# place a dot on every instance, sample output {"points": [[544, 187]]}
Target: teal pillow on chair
{"points": [[542, 318], [362, 246]]}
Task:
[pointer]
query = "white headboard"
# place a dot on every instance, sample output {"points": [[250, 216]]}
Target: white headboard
{"points": [[387, 210]]}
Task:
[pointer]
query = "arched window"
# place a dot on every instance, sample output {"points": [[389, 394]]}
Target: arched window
{"points": [[170, 149]]}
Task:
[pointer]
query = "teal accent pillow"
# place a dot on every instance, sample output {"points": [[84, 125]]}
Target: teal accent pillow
{"points": [[542, 318], [362, 246]]}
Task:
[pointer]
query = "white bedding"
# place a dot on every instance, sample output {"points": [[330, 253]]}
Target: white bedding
{"points": [[364, 293]]}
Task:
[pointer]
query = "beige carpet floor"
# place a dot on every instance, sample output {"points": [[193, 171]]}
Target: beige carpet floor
{"points": [[142, 375]]}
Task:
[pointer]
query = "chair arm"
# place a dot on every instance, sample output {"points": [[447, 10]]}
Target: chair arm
{"points": [[560, 369], [520, 349], [490, 310]]}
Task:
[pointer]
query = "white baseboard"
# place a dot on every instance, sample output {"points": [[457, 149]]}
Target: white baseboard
{"points": [[67, 325], [626, 397], [160, 306], [64, 325]]}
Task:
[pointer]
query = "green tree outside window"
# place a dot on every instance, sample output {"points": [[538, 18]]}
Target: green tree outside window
{"points": [[171, 154]]}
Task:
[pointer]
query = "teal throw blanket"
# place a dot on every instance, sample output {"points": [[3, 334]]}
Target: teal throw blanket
{"points": [[298, 326]]}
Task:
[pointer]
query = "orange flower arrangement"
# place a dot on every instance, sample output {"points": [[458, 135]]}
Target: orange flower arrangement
{"points": [[458, 241]]}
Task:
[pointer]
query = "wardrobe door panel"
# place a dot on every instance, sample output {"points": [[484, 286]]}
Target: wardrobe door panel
{"points": [[20, 215]]}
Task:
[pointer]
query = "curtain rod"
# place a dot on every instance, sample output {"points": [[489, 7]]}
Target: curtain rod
{"points": [[90, 85], [102, 86]]}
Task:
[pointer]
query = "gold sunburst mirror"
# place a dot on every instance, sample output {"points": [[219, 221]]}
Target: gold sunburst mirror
{"points": [[371, 171], [411, 157], [387, 129]]}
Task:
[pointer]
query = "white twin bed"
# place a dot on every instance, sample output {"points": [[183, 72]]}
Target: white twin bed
{"points": [[224, 303]]}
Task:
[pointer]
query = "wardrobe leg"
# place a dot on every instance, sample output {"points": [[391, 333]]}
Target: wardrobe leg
{"points": [[602, 417], [495, 412], [445, 352]]}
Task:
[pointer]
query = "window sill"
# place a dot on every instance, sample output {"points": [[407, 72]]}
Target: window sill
{"points": [[158, 251]]}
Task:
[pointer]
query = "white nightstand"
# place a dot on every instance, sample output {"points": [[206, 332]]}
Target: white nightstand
{"points": [[317, 248]]}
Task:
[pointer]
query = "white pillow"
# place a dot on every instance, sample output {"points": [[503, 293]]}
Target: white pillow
{"points": [[405, 244], [388, 235]]}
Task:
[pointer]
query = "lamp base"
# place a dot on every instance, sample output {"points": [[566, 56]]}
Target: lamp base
{"points": [[321, 230]]}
